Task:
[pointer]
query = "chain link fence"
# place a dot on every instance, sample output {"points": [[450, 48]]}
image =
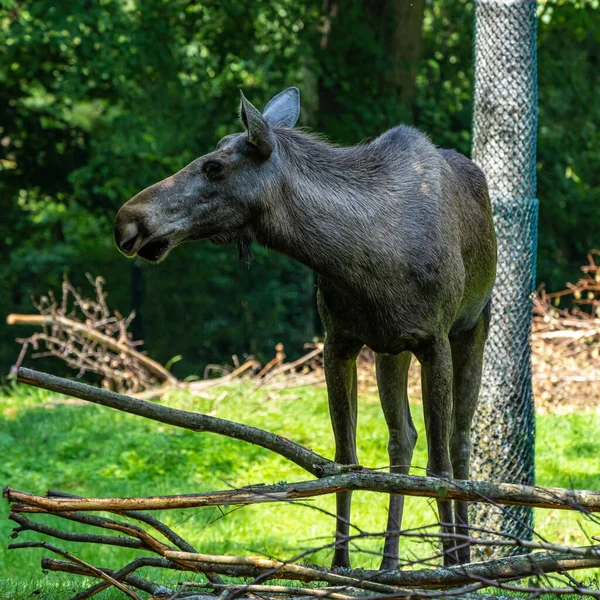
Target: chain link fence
{"points": [[504, 146]]}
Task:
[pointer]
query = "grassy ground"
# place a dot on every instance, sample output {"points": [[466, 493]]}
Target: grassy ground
{"points": [[90, 450]]}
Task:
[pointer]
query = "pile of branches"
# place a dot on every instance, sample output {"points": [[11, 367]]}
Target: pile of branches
{"points": [[566, 343], [165, 549], [90, 338]]}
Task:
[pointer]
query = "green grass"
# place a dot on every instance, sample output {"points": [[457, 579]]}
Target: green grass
{"points": [[94, 451]]}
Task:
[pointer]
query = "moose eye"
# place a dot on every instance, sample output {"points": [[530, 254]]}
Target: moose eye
{"points": [[213, 169]]}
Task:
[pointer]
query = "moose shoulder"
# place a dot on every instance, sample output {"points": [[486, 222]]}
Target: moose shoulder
{"points": [[401, 236]]}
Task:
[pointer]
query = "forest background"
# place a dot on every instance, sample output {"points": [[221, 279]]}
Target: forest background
{"points": [[101, 98]]}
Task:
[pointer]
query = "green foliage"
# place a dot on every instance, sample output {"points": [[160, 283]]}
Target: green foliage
{"points": [[569, 138], [90, 450], [100, 99], [445, 79]]}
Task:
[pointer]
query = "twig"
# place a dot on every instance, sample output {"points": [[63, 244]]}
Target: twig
{"points": [[333, 593], [70, 536], [289, 366], [97, 572], [171, 535], [125, 574], [99, 338]]}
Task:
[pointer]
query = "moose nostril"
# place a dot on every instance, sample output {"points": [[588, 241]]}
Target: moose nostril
{"points": [[126, 237]]}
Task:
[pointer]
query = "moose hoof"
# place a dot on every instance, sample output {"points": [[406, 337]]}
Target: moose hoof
{"points": [[450, 558], [341, 560], [389, 563]]}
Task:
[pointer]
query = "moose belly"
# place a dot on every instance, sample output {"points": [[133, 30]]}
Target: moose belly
{"points": [[384, 329]]}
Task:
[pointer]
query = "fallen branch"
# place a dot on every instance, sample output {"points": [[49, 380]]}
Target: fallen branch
{"points": [[503, 568], [331, 592], [124, 575], [305, 458], [382, 582], [94, 570], [360, 480], [332, 478], [502, 493], [159, 526]]}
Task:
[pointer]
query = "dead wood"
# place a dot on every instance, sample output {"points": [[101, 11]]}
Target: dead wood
{"points": [[497, 569], [97, 572], [163, 529], [359, 480], [418, 583], [390, 584], [117, 346], [305, 458], [124, 575]]}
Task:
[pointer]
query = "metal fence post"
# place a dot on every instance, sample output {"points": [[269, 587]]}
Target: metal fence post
{"points": [[504, 146]]}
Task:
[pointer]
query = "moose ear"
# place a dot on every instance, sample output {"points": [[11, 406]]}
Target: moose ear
{"points": [[283, 110], [258, 129]]}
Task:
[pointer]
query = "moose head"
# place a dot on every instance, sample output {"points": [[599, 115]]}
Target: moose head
{"points": [[216, 196]]}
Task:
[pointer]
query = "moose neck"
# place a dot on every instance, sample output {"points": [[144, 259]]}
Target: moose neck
{"points": [[320, 213]]}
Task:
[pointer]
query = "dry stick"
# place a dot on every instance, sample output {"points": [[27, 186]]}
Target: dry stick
{"points": [[169, 534], [363, 480], [446, 489], [133, 530], [288, 367], [502, 493], [125, 574], [152, 542], [77, 537], [377, 581], [204, 384], [104, 340], [334, 593], [538, 591], [253, 566], [57, 565], [305, 458], [97, 572], [510, 567], [585, 552]]}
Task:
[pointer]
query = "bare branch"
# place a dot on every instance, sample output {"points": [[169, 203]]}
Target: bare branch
{"points": [[92, 334], [307, 459], [97, 572], [360, 480]]}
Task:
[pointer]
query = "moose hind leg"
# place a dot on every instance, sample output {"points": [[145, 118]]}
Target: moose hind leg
{"points": [[467, 358], [340, 374], [436, 382], [392, 381]]}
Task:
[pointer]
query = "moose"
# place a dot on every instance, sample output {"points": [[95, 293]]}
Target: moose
{"points": [[401, 237]]}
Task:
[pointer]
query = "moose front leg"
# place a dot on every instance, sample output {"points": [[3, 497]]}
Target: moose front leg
{"points": [[340, 374], [436, 381]]}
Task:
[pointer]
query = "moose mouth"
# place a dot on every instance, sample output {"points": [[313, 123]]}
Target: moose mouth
{"points": [[155, 250]]}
